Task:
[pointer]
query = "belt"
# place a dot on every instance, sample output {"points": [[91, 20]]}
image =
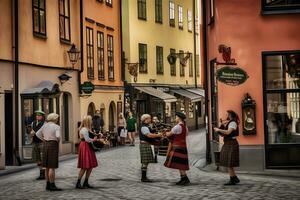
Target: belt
{"points": [[144, 142]]}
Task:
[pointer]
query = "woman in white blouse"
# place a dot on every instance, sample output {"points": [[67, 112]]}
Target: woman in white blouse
{"points": [[50, 133], [86, 157]]}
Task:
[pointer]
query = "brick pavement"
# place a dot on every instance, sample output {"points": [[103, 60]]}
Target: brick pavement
{"points": [[118, 177]]}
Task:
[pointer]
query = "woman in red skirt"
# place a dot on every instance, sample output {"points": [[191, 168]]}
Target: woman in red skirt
{"points": [[177, 156], [86, 157]]}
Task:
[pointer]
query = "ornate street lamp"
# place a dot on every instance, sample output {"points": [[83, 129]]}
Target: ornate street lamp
{"points": [[73, 54]]}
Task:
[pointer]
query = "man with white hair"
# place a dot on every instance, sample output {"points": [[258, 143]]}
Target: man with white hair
{"points": [[50, 133], [146, 138]]}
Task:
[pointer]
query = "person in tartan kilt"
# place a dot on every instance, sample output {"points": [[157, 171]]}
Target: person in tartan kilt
{"points": [[37, 144], [177, 156], [229, 156], [146, 139]]}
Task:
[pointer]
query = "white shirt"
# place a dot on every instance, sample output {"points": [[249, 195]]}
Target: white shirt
{"points": [[176, 130], [232, 125], [49, 131], [85, 133], [145, 130]]}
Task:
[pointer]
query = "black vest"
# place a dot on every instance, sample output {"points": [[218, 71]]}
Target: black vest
{"points": [[144, 137], [234, 133], [37, 127]]}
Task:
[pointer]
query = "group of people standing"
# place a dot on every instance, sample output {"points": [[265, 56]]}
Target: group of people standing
{"points": [[46, 136], [127, 128]]}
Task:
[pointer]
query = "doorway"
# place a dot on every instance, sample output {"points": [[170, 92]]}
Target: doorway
{"points": [[112, 116], [9, 141], [66, 117]]}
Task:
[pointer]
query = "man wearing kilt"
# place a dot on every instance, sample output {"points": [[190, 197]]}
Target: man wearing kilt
{"points": [[229, 156], [146, 139], [177, 156], [50, 133], [37, 144]]}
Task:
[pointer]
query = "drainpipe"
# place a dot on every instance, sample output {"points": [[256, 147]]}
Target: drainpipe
{"points": [[205, 58], [16, 82], [195, 56], [81, 46], [122, 54]]}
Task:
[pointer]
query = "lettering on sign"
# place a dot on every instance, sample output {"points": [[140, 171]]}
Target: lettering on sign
{"points": [[231, 75]]}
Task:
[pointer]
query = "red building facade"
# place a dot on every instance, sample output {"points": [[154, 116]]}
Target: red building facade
{"points": [[263, 37]]}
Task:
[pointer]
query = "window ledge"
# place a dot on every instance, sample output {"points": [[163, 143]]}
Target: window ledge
{"points": [[158, 22], [143, 72], [63, 41], [280, 12], [112, 79], [101, 79], [38, 35], [143, 19], [66, 142], [160, 74]]}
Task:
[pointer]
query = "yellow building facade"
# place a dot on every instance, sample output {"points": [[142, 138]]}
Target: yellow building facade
{"points": [[152, 30]]}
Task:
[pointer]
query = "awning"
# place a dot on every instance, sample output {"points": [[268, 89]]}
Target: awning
{"points": [[44, 87], [157, 93], [197, 91], [190, 95]]}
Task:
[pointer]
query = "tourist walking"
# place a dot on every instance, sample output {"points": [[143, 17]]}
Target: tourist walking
{"points": [[121, 128], [131, 128]]}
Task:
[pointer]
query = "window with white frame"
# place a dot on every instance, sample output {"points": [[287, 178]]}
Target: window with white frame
{"points": [[190, 20], [172, 14], [180, 17]]}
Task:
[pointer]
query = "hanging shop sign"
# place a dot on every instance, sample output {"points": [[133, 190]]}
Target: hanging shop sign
{"points": [[87, 87], [231, 75]]}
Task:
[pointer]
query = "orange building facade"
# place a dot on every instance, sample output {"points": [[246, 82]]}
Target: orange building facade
{"points": [[102, 60], [264, 41]]}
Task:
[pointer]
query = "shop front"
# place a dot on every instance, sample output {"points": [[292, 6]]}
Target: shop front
{"points": [[107, 100], [190, 101], [49, 94], [163, 102], [281, 75]]}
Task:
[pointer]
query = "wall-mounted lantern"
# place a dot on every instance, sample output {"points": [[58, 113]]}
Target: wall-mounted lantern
{"points": [[64, 78], [73, 54], [249, 115]]}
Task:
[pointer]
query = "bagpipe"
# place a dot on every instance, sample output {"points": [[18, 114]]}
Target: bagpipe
{"points": [[161, 144], [98, 145]]}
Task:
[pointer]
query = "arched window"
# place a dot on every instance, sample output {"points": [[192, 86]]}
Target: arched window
{"points": [[91, 109]]}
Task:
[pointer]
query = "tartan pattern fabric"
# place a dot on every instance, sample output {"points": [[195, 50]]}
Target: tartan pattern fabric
{"points": [[146, 154], [50, 154], [177, 158], [37, 149], [229, 156]]}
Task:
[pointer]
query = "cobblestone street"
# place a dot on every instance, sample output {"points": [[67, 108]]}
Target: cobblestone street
{"points": [[118, 177]]}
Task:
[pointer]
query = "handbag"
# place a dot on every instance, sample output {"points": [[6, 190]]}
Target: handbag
{"points": [[123, 133]]}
